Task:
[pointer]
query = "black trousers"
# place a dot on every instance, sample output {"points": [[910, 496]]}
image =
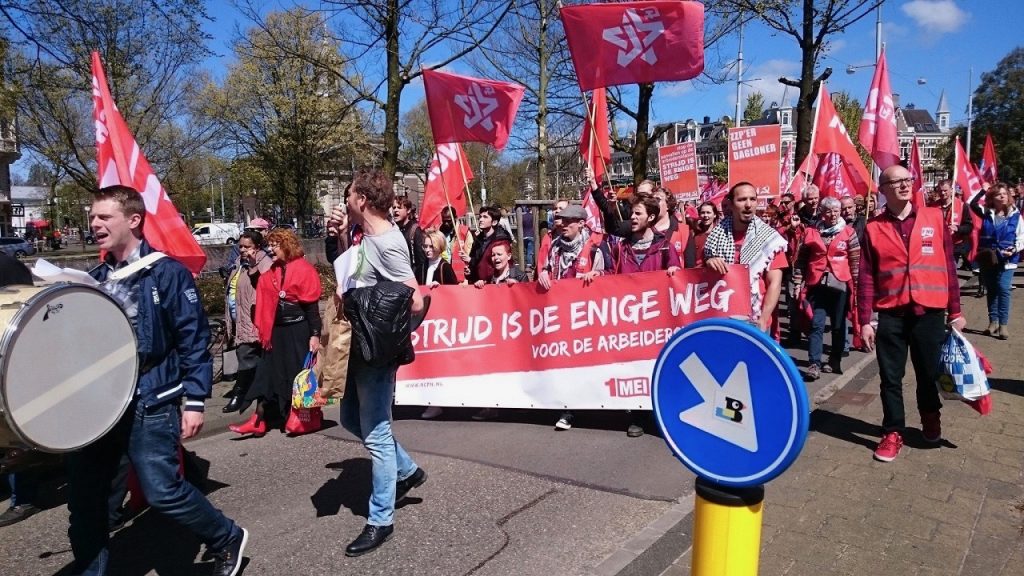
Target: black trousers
{"points": [[922, 336]]}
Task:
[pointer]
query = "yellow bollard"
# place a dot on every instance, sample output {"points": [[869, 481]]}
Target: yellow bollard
{"points": [[726, 530]]}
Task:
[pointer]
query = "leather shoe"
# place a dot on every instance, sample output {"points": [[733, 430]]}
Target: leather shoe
{"points": [[368, 541], [415, 480], [250, 426]]}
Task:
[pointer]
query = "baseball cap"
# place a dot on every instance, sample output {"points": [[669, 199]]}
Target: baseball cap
{"points": [[259, 223]]}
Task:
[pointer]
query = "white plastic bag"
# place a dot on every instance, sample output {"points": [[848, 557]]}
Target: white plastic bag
{"points": [[963, 375]]}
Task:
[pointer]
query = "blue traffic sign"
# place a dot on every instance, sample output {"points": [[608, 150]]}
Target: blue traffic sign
{"points": [[730, 402]]}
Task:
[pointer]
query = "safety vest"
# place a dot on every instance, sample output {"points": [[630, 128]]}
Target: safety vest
{"points": [[544, 250], [680, 237], [832, 258], [585, 261], [918, 275]]}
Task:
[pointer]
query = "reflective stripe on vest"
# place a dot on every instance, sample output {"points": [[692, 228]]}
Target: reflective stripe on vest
{"points": [[918, 276]]}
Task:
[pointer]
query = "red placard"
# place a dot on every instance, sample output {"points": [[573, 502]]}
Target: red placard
{"points": [[519, 347], [678, 164], [754, 156]]}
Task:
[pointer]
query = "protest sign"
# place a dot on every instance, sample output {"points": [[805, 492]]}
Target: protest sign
{"points": [[754, 156], [575, 346], [678, 164]]}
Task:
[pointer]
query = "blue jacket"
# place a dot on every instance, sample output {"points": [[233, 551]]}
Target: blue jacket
{"points": [[172, 333], [1002, 236]]}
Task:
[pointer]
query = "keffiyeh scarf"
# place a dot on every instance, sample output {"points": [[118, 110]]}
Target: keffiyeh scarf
{"points": [[565, 252], [760, 246]]}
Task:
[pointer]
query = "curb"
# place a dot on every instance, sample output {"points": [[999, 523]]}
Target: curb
{"points": [[656, 547]]}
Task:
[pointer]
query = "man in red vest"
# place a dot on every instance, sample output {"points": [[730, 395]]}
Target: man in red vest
{"points": [[908, 278], [957, 217]]}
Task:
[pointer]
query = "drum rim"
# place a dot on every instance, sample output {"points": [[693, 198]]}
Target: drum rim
{"points": [[7, 338]]}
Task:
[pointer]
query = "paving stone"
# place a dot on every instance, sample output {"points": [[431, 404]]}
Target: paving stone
{"points": [[899, 519], [862, 561], [957, 510], [958, 478], [919, 484], [941, 555], [805, 548], [854, 532], [992, 439], [1013, 429], [790, 519], [989, 556], [1011, 458]]}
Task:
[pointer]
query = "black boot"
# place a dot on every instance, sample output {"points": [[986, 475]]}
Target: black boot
{"points": [[240, 390], [371, 537]]}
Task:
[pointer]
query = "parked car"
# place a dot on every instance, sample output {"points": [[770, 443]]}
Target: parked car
{"points": [[211, 233], [17, 247]]}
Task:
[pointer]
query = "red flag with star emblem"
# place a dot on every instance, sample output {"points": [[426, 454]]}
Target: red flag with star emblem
{"points": [[120, 161], [467, 109], [595, 146], [878, 133], [446, 184], [635, 42], [914, 166], [966, 177]]}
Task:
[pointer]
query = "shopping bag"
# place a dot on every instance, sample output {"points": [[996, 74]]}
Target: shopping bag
{"points": [[963, 375], [306, 388], [335, 343], [304, 421]]}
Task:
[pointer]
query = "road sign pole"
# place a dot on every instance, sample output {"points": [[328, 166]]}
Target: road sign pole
{"points": [[726, 530]]}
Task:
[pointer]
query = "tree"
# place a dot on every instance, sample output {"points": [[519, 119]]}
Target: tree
{"points": [[529, 47], [417, 149], [754, 109], [999, 111], [401, 35], [811, 23], [293, 117], [720, 171], [150, 50]]}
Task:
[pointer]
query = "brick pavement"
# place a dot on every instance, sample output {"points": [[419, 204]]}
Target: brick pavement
{"points": [[957, 509]]}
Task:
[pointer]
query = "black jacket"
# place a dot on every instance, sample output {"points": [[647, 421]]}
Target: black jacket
{"points": [[381, 323], [479, 256]]}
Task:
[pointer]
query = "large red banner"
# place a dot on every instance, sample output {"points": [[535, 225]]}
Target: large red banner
{"points": [[678, 163], [754, 156], [575, 346]]}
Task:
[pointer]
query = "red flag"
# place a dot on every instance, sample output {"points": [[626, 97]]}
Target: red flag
{"points": [[467, 109], [786, 168], [988, 161], [446, 184], [878, 133], [594, 144], [966, 177], [593, 212], [834, 178], [803, 176], [714, 191], [917, 173], [120, 161], [635, 42], [830, 136]]}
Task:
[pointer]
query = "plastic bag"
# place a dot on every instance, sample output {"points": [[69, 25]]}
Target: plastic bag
{"points": [[304, 421], [963, 375], [306, 388]]}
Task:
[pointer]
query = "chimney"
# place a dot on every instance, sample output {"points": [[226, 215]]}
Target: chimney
{"points": [[707, 119], [895, 100]]}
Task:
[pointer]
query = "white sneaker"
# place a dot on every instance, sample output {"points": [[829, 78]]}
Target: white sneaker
{"points": [[431, 412], [565, 422]]}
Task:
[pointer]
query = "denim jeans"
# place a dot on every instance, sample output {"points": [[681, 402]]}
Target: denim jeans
{"points": [[366, 413], [922, 336], [23, 487], [831, 305], [997, 283], [151, 438]]}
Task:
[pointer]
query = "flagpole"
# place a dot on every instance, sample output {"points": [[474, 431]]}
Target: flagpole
{"points": [[448, 200], [593, 130], [814, 129]]}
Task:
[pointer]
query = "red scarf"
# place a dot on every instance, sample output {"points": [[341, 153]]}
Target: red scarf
{"points": [[301, 285]]}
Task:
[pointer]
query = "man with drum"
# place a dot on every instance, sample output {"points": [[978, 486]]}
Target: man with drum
{"points": [[161, 300]]}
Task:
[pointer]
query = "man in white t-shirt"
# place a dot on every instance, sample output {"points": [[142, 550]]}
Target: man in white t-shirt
{"points": [[366, 407]]}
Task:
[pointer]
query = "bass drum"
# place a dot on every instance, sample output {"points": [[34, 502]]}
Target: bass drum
{"points": [[68, 366]]}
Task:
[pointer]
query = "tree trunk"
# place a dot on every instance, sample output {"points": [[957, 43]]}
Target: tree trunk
{"points": [[805, 103], [542, 104], [395, 84], [641, 142]]}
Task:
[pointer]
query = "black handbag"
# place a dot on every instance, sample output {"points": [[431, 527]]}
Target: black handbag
{"points": [[381, 321]]}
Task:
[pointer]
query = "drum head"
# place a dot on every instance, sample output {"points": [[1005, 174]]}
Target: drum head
{"points": [[70, 365]]}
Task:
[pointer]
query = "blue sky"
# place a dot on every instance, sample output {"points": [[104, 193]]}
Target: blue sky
{"points": [[934, 40]]}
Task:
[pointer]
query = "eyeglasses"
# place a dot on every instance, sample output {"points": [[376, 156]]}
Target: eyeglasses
{"points": [[898, 182]]}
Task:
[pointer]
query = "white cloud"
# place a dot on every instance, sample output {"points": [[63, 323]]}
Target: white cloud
{"points": [[836, 45], [936, 16], [675, 88], [767, 81]]}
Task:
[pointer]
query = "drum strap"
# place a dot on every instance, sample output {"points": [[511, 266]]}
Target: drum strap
{"points": [[144, 262]]}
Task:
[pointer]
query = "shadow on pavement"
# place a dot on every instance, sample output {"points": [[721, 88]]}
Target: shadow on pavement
{"points": [[843, 427], [350, 489], [1015, 387]]}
